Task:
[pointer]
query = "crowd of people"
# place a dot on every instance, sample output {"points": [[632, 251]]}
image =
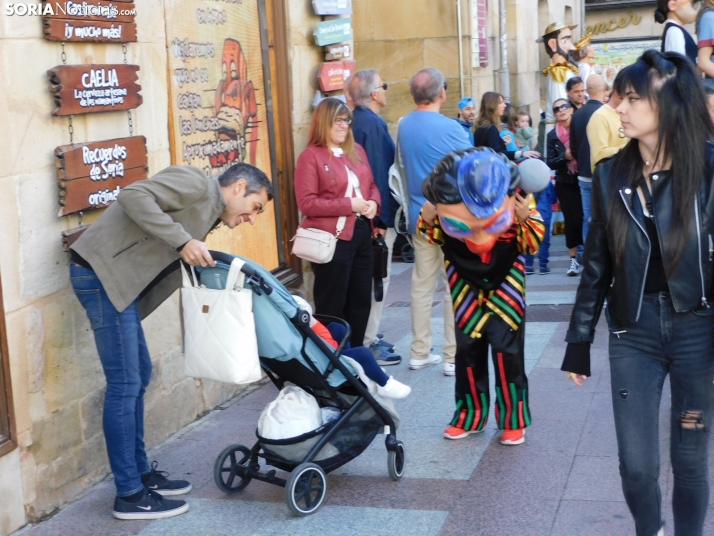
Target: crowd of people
{"points": [[632, 168]]}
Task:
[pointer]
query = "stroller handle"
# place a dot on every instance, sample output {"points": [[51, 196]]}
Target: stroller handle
{"points": [[226, 258]]}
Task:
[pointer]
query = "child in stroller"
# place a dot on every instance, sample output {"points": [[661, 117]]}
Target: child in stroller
{"points": [[387, 386]]}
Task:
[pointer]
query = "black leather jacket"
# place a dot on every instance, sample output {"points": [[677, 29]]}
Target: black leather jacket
{"points": [[690, 282], [555, 158]]}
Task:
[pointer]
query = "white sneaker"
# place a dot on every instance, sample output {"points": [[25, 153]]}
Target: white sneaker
{"points": [[416, 364], [394, 389], [449, 369], [573, 269]]}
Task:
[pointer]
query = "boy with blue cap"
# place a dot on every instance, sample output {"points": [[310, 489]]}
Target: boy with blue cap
{"points": [[467, 116], [470, 210]]}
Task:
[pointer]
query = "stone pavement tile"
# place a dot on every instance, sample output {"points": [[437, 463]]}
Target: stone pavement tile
{"points": [[594, 478], [486, 514], [552, 355], [556, 381], [598, 439], [538, 297], [593, 518], [90, 516], [601, 408], [549, 437], [566, 406], [228, 518]]}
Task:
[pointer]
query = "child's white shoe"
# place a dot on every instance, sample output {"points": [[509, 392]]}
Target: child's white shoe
{"points": [[394, 389]]}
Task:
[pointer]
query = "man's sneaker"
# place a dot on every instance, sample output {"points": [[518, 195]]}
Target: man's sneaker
{"points": [[394, 389], [573, 269], [452, 432], [544, 270], [513, 437], [449, 369], [530, 270], [157, 481], [150, 506], [383, 357], [416, 364], [384, 345]]}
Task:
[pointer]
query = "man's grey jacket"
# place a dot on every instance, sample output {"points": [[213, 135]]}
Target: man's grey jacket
{"points": [[137, 237]]}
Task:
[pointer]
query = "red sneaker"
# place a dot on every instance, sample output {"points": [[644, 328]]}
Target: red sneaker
{"points": [[452, 432], [513, 437]]}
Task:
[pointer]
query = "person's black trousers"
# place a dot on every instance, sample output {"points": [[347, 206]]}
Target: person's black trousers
{"points": [[343, 286], [571, 204]]}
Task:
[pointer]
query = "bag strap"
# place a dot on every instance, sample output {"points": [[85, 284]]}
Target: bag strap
{"points": [[342, 219], [235, 277], [186, 279]]}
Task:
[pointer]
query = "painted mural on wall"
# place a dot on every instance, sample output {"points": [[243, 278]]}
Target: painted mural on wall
{"points": [[218, 115], [611, 57]]}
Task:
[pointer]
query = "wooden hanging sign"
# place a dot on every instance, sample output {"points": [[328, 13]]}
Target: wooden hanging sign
{"points": [[337, 52], [333, 31], [332, 7], [82, 89], [86, 10], [91, 175], [84, 31], [333, 74]]}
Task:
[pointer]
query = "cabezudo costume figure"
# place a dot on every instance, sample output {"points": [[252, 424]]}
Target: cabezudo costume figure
{"points": [[470, 212]]}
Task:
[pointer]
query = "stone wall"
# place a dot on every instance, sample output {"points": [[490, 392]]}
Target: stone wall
{"points": [[58, 384]]}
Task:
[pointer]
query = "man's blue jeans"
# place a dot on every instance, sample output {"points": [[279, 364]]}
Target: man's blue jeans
{"points": [[585, 189], [127, 367], [544, 204], [682, 345]]}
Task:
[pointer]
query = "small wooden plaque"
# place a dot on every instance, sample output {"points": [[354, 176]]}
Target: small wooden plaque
{"points": [[82, 89], [92, 174], [87, 31]]}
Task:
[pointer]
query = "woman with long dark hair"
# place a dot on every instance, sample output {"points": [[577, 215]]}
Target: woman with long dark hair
{"points": [[649, 253], [488, 127], [561, 159], [333, 180]]}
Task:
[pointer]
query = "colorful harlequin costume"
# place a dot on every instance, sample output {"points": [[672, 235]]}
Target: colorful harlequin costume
{"points": [[483, 250]]}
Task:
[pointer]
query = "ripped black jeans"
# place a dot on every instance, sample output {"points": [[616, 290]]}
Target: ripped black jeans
{"points": [[681, 345]]}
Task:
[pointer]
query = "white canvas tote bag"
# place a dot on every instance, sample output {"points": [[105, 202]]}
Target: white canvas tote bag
{"points": [[219, 329]]}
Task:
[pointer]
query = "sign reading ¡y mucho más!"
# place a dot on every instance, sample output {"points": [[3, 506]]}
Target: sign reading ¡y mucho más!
{"points": [[333, 74], [92, 174], [82, 89], [333, 31], [89, 31], [332, 7]]}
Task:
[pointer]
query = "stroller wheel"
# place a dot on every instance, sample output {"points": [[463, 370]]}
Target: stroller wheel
{"points": [[407, 253], [306, 489], [229, 471], [395, 461]]}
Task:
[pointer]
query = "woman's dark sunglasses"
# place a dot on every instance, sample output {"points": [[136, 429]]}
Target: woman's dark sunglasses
{"points": [[561, 108]]}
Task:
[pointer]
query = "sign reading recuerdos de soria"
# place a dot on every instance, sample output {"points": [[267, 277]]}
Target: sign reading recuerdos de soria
{"points": [[89, 21]]}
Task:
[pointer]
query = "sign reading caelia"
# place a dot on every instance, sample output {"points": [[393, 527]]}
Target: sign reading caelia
{"points": [[82, 89], [95, 21], [92, 174], [333, 74]]}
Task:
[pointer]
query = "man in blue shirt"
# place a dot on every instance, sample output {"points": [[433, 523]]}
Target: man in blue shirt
{"points": [[369, 94], [425, 137], [467, 116]]}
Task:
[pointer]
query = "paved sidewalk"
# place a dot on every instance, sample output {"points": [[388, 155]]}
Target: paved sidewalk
{"points": [[563, 481]]}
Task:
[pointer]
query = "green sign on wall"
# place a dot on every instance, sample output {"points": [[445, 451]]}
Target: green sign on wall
{"points": [[333, 31]]}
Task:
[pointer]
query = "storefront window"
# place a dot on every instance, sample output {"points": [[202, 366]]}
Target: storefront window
{"points": [[7, 439]]}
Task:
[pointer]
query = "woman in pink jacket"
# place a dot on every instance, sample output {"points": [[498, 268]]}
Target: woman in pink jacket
{"points": [[332, 166]]}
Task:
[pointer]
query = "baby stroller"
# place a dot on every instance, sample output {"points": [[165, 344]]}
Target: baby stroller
{"points": [[291, 352]]}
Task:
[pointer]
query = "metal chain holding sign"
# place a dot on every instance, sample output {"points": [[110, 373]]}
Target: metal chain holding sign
{"points": [[70, 127], [128, 112]]}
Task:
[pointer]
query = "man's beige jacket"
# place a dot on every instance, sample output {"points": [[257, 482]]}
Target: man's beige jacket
{"points": [[137, 237]]}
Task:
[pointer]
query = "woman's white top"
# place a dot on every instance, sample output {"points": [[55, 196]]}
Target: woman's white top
{"points": [[350, 174]]}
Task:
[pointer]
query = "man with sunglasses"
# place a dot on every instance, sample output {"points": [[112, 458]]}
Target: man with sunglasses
{"points": [[369, 94]]}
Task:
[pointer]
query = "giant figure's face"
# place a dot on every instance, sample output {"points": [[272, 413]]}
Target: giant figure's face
{"points": [[479, 234], [563, 44]]}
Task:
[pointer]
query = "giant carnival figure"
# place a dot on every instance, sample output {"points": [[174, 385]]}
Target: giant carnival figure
{"points": [[475, 212], [558, 42]]}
